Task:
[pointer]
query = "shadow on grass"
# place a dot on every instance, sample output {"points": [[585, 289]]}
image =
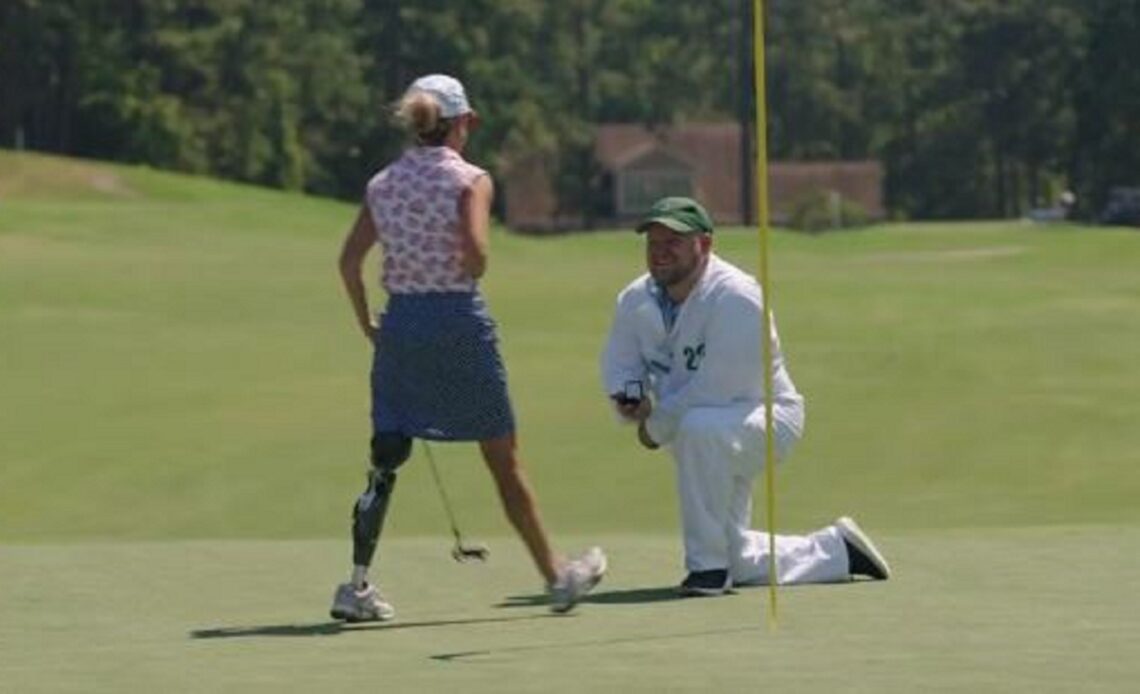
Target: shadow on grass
{"points": [[633, 596], [605, 597], [462, 656], [335, 628]]}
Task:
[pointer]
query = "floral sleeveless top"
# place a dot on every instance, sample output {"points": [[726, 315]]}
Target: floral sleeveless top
{"points": [[414, 204]]}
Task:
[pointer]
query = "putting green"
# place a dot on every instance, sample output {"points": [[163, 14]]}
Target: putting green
{"points": [[1032, 610]]}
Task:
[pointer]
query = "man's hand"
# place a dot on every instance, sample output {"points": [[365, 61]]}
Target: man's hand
{"points": [[632, 411], [638, 411]]}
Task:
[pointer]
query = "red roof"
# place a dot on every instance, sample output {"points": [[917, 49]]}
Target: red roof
{"points": [[712, 152]]}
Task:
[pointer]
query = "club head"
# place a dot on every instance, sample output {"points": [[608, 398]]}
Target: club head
{"points": [[466, 553]]}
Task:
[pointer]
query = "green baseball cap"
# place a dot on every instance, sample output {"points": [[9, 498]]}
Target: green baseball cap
{"points": [[682, 215]]}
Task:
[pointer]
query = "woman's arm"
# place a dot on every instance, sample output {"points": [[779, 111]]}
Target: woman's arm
{"points": [[357, 243], [474, 226]]}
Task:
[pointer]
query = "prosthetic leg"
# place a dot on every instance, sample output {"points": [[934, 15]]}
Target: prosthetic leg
{"points": [[357, 600], [389, 451]]}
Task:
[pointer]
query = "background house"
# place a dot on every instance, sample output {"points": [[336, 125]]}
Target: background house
{"points": [[637, 165]]}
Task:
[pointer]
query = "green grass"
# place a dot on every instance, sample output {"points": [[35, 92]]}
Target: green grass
{"points": [[183, 426], [998, 611]]}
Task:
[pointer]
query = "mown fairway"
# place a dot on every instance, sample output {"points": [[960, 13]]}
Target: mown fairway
{"points": [[183, 426]]}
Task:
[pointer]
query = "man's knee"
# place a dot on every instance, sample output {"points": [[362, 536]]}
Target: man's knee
{"points": [[390, 450]]}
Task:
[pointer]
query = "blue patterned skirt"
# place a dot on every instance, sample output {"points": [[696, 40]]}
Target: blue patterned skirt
{"points": [[436, 369]]}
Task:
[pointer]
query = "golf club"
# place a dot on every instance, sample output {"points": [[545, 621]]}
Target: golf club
{"points": [[461, 552]]}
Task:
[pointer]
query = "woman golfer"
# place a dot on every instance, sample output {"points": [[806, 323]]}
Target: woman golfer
{"points": [[436, 369]]}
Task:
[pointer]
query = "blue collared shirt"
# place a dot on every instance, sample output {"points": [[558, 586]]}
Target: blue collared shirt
{"points": [[669, 308]]}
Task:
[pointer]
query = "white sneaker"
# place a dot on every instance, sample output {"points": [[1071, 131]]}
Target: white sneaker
{"points": [[577, 577], [862, 555], [366, 605]]}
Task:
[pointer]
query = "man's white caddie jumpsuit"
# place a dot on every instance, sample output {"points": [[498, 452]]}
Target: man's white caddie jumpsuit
{"points": [[706, 376]]}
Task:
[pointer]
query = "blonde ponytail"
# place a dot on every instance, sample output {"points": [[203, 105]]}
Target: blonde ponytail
{"points": [[419, 113]]}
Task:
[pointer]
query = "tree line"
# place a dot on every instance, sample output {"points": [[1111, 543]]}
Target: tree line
{"points": [[977, 108]]}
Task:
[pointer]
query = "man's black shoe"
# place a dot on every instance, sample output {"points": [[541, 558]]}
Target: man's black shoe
{"points": [[705, 583]]}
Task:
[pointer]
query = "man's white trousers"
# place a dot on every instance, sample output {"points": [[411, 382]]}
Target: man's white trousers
{"points": [[718, 452]]}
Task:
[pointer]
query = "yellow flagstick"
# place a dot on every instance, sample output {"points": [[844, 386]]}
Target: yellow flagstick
{"points": [[766, 285]]}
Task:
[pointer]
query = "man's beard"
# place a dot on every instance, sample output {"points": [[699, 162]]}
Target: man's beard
{"points": [[667, 277]]}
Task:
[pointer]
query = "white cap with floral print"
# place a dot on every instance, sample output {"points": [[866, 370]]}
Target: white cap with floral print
{"points": [[448, 92]]}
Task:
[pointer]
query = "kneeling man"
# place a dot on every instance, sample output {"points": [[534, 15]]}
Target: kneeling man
{"points": [[689, 332]]}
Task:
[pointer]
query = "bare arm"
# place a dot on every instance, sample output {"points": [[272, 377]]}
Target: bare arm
{"points": [[360, 239], [474, 226]]}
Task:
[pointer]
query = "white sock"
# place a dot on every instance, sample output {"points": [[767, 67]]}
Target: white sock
{"points": [[359, 577]]}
